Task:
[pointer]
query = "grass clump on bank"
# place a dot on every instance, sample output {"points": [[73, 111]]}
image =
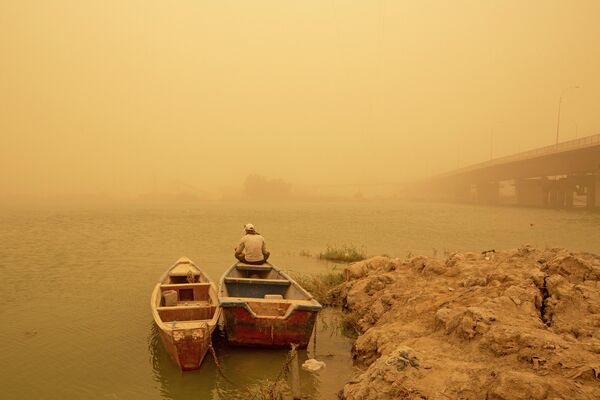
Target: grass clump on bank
{"points": [[345, 253], [324, 288], [319, 285], [350, 326]]}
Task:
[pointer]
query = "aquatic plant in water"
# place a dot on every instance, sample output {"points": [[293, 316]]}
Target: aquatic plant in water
{"points": [[345, 253], [305, 253]]}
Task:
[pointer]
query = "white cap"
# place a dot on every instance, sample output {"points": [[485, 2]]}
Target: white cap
{"points": [[249, 227]]}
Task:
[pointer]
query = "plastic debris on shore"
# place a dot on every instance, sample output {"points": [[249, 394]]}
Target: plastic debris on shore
{"points": [[312, 365]]}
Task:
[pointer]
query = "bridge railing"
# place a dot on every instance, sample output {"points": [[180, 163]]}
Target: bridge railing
{"points": [[542, 151]]}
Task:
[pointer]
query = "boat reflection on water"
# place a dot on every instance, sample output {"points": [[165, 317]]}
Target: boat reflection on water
{"points": [[253, 370]]}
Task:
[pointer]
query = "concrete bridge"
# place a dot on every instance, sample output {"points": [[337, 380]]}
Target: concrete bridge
{"points": [[551, 176]]}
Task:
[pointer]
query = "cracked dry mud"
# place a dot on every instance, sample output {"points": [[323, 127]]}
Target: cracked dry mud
{"points": [[516, 324]]}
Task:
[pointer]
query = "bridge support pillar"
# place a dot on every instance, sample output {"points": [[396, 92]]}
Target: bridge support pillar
{"points": [[569, 195], [568, 186], [593, 192], [532, 192], [488, 193], [554, 200], [561, 192]]}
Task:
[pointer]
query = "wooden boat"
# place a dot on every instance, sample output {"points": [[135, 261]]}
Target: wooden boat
{"points": [[263, 306], [186, 310]]}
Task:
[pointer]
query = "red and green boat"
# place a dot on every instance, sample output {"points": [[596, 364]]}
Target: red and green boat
{"points": [[263, 306]]}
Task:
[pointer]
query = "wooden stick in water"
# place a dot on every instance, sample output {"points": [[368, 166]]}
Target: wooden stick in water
{"points": [[295, 369]]}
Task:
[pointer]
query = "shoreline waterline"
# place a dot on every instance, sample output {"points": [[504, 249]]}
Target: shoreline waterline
{"points": [[78, 282]]}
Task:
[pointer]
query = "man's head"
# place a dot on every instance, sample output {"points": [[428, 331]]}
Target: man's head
{"points": [[249, 228]]}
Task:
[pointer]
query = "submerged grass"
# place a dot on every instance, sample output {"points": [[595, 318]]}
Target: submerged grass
{"points": [[259, 390], [305, 253], [344, 253], [319, 285]]}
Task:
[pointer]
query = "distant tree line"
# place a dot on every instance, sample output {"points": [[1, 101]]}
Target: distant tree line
{"points": [[260, 187]]}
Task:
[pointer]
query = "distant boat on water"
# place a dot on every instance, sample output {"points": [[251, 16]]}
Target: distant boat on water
{"points": [[263, 306], [185, 308]]}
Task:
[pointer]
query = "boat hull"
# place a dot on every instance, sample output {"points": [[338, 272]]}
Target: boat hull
{"points": [[185, 309], [187, 347], [244, 328]]}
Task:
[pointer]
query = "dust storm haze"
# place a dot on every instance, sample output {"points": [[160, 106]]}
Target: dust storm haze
{"points": [[123, 98]]}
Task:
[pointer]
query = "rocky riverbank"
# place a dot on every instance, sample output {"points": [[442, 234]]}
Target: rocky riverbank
{"points": [[516, 324]]}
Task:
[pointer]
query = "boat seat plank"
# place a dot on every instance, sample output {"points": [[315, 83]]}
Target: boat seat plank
{"points": [[253, 281], [192, 303], [253, 268], [171, 286], [185, 313], [264, 265], [273, 297], [188, 291], [184, 307], [238, 299]]}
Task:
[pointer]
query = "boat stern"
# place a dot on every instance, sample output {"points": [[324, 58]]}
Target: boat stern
{"points": [[247, 327], [187, 347]]}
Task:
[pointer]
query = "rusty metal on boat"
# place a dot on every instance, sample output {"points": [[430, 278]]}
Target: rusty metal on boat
{"points": [[186, 310], [263, 306]]}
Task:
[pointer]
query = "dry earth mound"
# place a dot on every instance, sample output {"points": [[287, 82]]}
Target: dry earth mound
{"points": [[517, 324]]}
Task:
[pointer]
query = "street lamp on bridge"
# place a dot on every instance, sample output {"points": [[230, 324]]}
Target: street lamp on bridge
{"points": [[559, 104]]}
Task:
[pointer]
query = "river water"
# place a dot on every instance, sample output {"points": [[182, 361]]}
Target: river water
{"points": [[77, 283]]}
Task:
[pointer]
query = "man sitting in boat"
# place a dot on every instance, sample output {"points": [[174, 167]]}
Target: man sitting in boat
{"points": [[252, 248]]}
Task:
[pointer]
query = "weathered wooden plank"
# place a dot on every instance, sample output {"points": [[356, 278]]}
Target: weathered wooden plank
{"points": [[182, 313], [258, 281]]}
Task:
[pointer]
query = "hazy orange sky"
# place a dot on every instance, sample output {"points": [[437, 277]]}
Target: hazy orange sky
{"points": [[119, 97]]}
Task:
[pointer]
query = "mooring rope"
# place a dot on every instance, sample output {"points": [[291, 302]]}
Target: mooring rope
{"points": [[219, 369], [283, 372], [315, 339], [285, 369]]}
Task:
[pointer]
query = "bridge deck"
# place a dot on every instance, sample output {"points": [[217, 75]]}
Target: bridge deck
{"points": [[588, 146]]}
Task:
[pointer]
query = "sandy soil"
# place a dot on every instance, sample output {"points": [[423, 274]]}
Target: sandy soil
{"points": [[516, 324]]}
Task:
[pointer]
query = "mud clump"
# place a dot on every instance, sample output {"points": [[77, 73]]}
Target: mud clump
{"points": [[516, 324]]}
